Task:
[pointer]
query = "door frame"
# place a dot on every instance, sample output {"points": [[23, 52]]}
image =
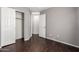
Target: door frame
{"points": [[22, 24]]}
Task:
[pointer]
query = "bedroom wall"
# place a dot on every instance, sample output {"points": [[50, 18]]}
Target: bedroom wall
{"points": [[77, 31], [62, 24]]}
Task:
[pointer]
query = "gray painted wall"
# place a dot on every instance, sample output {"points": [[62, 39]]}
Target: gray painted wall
{"points": [[63, 24], [27, 21], [77, 31], [0, 27]]}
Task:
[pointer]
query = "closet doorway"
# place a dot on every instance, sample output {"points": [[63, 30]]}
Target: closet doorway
{"points": [[19, 25]]}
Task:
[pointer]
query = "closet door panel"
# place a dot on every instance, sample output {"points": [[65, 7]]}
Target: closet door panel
{"points": [[4, 26], [12, 26], [7, 26]]}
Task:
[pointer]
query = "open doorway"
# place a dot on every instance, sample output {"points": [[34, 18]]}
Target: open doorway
{"points": [[19, 25], [38, 24]]}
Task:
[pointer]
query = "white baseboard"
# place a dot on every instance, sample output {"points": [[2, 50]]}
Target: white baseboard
{"points": [[63, 42], [0, 47], [27, 38]]}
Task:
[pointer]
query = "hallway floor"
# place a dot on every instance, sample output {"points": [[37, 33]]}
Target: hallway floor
{"points": [[38, 44]]}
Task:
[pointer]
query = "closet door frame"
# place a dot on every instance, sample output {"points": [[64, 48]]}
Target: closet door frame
{"points": [[22, 24]]}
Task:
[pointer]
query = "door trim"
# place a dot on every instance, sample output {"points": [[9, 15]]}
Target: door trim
{"points": [[22, 24]]}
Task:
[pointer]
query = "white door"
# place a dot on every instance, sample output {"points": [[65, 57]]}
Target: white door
{"points": [[42, 26], [7, 26]]}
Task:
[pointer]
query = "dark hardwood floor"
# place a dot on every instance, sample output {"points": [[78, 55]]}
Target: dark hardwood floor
{"points": [[38, 44]]}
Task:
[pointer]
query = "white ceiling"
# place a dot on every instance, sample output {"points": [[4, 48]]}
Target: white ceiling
{"points": [[38, 9]]}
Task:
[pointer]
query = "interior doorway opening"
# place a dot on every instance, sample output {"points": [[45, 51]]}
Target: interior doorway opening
{"points": [[38, 24], [19, 25]]}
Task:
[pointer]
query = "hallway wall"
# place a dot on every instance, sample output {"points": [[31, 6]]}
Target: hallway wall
{"points": [[35, 22]]}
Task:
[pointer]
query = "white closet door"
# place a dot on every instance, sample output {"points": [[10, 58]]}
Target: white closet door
{"points": [[7, 26]]}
